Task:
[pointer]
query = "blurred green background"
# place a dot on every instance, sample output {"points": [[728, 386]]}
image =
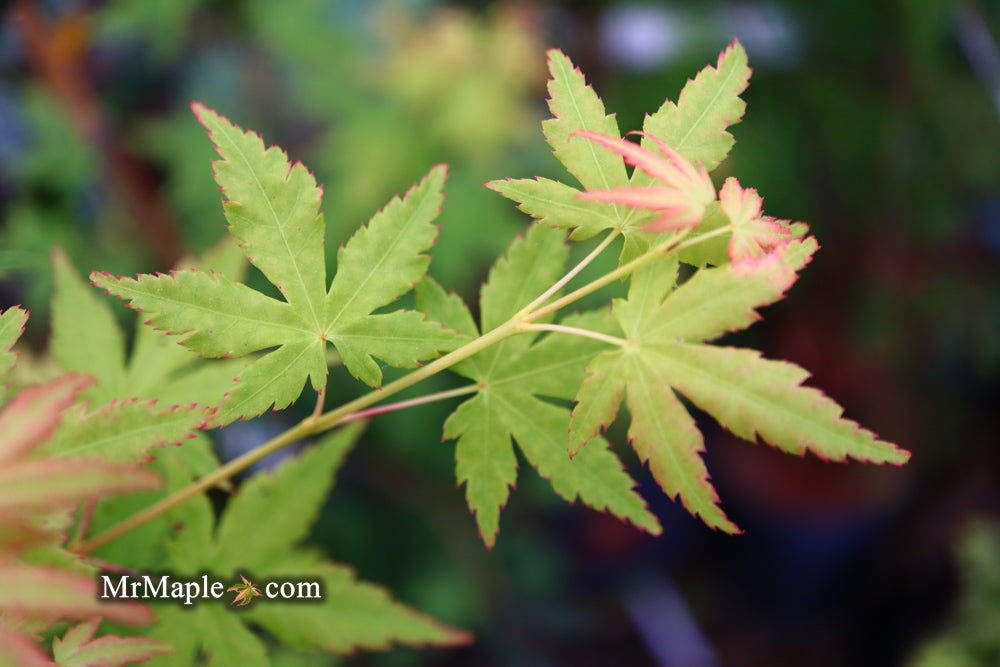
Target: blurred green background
{"points": [[876, 122]]}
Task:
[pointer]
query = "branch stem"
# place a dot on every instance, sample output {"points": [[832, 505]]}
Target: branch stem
{"points": [[570, 274], [661, 250], [306, 427], [359, 407]]}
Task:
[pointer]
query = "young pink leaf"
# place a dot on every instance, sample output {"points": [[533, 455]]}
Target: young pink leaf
{"points": [[46, 484], [35, 414], [681, 196], [19, 650], [754, 234]]}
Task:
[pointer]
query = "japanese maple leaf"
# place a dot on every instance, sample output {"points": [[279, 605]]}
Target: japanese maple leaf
{"points": [[666, 357], [511, 378], [680, 195], [273, 209], [245, 592]]}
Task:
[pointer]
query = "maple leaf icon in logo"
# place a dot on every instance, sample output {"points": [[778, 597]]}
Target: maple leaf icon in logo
{"points": [[245, 592]]}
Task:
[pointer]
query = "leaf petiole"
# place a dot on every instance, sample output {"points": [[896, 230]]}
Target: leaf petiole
{"points": [[558, 285], [575, 331], [661, 250]]}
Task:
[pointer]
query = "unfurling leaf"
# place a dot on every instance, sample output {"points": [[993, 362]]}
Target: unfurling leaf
{"points": [[511, 376], [748, 395], [681, 195], [753, 234], [273, 208]]}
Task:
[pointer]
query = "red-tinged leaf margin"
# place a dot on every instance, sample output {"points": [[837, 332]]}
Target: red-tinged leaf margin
{"points": [[692, 84], [200, 112], [79, 646], [199, 419], [35, 413]]}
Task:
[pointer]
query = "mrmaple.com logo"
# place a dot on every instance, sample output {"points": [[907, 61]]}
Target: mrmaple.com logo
{"points": [[204, 588]]}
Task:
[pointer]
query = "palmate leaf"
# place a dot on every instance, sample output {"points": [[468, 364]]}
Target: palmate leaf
{"points": [[746, 394], [273, 209], [695, 126], [511, 376], [258, 533]]}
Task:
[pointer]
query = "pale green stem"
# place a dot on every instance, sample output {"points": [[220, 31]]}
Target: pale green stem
{"points": [[662, 250], [312, 425], [570, 274], [574, 331]]}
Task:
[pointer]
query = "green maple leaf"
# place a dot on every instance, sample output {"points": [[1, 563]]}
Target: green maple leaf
{"points": [[259, 532], [695, 126], [273, 209], [511, 376], [751, 396]]}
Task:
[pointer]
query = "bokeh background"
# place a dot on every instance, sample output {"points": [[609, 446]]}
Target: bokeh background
{"points": [[876, 122]]}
